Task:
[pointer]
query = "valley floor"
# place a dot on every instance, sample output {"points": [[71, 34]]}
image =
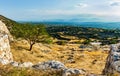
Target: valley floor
{"points": [[93, 61]]}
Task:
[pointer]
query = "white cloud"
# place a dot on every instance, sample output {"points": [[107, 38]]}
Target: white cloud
{"points": [[81, 5], [115, 3], [108, 9]]}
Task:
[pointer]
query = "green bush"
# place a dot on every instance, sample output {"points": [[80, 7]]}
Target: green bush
{"points": [[62, 42]]}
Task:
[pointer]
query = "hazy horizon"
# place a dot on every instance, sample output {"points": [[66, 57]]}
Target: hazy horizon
{"points": [[62, 10]]}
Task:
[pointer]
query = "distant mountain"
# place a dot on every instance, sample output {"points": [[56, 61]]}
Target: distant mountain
{"points": [[72, 22], [104, 25]]}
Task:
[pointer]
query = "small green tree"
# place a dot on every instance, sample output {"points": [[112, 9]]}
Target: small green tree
{"points": [[86, 42], [113, 41], [32, 33]]}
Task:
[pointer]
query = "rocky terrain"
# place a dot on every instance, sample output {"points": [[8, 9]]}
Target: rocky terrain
{"points": [[7, 58], [70, 54], [53, 59], [113, 60]]}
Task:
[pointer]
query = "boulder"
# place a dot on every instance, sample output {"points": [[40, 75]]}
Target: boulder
{"points": [[49, 65], [73, 72], [95, 75], [5, 53], [25, 64], [15, 64], [56, 65], [113, 60]]}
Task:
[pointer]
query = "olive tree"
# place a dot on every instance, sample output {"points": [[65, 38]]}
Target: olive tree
{"points": [[32, 33]]}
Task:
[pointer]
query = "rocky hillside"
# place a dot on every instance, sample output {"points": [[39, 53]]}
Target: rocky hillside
{"points": [[6, 58], [8, 22], [50, 59]]}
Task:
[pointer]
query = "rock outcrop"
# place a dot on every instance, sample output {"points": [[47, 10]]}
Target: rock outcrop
{"points": [[56, 65], [5, 53], [49, 65], [113, 60], [73, 72]]}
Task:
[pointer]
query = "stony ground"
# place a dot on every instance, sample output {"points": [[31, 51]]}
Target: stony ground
{"points": [[93, 61]]}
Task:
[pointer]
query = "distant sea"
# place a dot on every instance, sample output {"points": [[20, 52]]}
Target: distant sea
{"points": [[104, 25]]}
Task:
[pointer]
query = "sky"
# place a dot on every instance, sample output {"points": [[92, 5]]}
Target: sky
{"points": [[61, 10]]}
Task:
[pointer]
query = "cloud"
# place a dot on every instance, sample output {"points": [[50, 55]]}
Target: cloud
{"points": [[115, 3], [81, 5], [86, 9]]}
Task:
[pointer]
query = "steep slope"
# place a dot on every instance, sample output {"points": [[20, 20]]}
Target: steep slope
{"points": [[8, 22]]}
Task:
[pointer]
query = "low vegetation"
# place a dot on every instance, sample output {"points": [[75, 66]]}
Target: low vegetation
{"points": [[96, 34]]}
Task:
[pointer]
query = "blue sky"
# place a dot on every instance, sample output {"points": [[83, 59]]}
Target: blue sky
{"points": [[61, 10]]}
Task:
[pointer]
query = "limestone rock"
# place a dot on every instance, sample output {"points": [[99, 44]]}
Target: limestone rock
{"points": [[15, 64], [94, 75], [56, 65], [49, 65], [113, 60], [25, 64], [5, 53], [73, 72]]}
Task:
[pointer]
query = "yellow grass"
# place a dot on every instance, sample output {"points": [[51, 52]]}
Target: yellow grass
{"points": [[93, 62]]}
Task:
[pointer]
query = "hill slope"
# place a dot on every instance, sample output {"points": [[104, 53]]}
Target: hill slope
{"points": [[9, 23]]}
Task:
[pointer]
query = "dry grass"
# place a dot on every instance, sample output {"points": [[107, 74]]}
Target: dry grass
{"points": [[13, 71], [93, 61]]}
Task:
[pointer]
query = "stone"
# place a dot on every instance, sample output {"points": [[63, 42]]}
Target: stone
{"points": [[71, 61], [26, 64], [49, 65], [116, 65], [95, 75], [73, 72], [15, 64], [5, 37], [113, 60], [56, 65], [5, 53]]}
